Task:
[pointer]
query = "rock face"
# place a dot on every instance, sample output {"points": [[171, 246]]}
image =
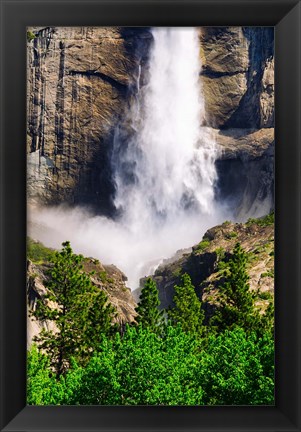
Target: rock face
{"points": [[82, 80], [238, 84], [246, 170], [238, 76], [108, 278], [202, 262]]}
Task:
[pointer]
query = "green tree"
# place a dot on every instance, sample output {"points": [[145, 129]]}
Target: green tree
{"points": [[148, 313], [235, 300], [79, 312], [40, 379], [141, 368], [187, 310], [237, 368]]}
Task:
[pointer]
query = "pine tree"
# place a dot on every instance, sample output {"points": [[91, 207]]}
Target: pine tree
{"points": [[236, 302], [148, 313], [187, 310], [79, 312]]}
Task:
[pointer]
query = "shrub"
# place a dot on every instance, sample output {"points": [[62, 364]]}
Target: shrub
{"points": [[230, 235], [37, 252], [203, 244], [262, 221], [30, 36]]}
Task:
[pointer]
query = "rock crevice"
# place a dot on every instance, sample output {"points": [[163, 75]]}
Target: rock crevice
{"points": [[83, 80]]}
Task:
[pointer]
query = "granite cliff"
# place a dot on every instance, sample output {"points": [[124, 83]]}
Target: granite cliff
{"points": [[79, 85], [81, 82], [201, 262]]}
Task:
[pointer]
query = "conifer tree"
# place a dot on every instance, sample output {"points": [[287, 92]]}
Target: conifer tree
{"points": [[148, 313], [187, 309], [79, 312], [236, 302]]}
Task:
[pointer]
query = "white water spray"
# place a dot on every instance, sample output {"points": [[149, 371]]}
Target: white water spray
{"points": [[167, 169], [164, 174]]}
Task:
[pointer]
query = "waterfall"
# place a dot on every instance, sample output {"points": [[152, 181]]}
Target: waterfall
{"points": [[166, 170], [163, 160]]}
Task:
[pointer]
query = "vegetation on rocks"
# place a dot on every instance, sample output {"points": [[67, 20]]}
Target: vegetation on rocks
{"points": [[30, 36], [78, 309], [202, 332], [263, 221], [171, 357], [37, 252], [235, 301]]}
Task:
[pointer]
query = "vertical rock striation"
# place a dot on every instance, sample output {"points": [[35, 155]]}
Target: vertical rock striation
{"points": [[80, 80], [238, 76], [238, 82], [81, 83]]}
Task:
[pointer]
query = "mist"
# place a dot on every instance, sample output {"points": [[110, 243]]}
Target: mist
{"points": [[164, 173], [136, 254]]}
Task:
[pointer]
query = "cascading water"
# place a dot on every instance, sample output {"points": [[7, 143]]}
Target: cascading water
{"points": [[163, 161], [167, 169]]}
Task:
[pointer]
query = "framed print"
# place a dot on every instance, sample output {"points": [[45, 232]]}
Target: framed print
{"points": [[150, 211]]}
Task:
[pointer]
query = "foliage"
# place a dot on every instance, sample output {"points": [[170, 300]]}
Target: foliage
{"points": [[42, 388], [263, 221], [238, 369], [203, 244], [265, 295], [148, 314], [187, 309], [37, 252], [30, 36], [87, 362], [226, 223], [220, 253], [79, 311], [144, 369], [269, 273], [235, 301], [230, 235]]}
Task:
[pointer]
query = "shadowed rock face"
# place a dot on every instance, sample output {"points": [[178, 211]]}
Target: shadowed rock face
{"points": [[201, 263], [238, 76], [246, 170], [238, 83], [82, 81]]}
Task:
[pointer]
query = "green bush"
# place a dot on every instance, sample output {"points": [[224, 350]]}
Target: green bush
{"points": [[230, 235], [236, 369], [262, 221], [37, 252], [269, 273], [142, 368], [203, 244], [265, 295], [30, 36]]}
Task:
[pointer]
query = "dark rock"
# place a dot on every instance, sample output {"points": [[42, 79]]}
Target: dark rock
{"points": [[202, 263]]}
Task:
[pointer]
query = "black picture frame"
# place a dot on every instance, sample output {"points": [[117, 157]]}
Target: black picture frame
{"points": [[16, 15]]}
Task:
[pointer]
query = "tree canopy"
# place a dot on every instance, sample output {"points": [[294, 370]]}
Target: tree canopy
{"points": [[76, 312], [148, 313], [187, 310]]}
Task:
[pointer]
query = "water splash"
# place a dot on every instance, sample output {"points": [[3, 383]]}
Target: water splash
{"points": [[163, 160], [167, 168]]}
